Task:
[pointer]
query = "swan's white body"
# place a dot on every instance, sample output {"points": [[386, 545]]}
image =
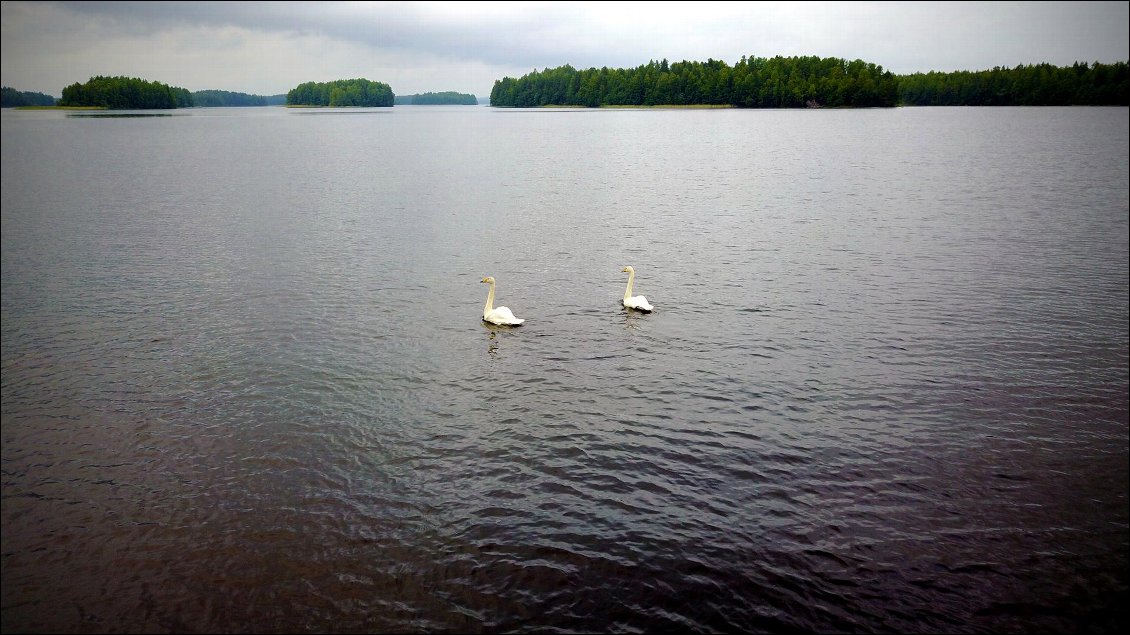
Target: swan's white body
{"points": [[637, 302], [502, 315]]}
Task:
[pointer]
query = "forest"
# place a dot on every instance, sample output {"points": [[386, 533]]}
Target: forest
{"points": [[437, 99], [343, 92], [121, 92], [1080, 84], [223, 98], [12, 98], [754, 82], [812, 82], [125, 92]]}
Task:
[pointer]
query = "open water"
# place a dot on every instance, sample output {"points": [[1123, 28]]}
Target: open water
{"points": [[246, 387]]}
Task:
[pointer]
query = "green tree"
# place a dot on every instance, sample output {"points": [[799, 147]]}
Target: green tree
{"points": [[13, 98], [752, 83], [342, 92], [1080, 84], [443, 98], [125, 93]]}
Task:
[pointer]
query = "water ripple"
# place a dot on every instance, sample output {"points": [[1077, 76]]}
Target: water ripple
{"points": [[884, 388]]}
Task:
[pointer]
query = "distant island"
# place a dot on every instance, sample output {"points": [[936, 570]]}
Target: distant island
{"points": [[125, 93], [132, 93], [437, 99], [753, 82], [811, 82], [223, 98], [1080, 84], [228, 99], [343, 92], [12, 98]]}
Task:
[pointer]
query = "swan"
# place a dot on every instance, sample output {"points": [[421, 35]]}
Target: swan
{"points": [[638, 302], [501, 315]]}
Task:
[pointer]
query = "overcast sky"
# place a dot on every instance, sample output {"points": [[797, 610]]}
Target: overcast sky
{"points": [[268, 48]]}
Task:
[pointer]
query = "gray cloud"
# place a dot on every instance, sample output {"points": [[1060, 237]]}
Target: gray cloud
{"points": [[269, 47]]}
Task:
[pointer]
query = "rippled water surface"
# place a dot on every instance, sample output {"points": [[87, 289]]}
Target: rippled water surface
{"points": [[246, 387]]}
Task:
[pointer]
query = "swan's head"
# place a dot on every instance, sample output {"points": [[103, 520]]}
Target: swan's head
{"points": [[488, 280], [628, 269]]}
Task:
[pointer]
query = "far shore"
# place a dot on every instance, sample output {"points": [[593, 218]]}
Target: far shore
{"points": [[60, 108], [638, 106], [608, 106]]}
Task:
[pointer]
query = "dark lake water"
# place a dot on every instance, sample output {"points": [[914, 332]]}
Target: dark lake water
{"points": [[246, 386]]}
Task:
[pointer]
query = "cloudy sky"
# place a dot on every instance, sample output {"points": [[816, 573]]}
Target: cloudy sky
{"points": [[267, 48]]}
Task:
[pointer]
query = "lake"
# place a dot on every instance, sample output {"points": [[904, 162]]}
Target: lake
{"points": [[247, 387]]}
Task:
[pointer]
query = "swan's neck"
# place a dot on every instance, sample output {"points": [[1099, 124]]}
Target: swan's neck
{"points": [[490, 301], [631, 279]]}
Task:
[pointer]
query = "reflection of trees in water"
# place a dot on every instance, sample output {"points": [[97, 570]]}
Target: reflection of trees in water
{"points": [[119, 115]]}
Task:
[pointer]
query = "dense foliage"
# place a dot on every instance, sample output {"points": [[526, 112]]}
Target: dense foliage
{"points": [[1036, 85], [440, 99], [343, 92], [12, 98], [222, 98], [779, 82], [755, 82], [126, 93], [806, 82]]}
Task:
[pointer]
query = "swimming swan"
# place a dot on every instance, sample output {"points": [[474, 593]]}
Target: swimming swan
{"points": [[638, 302], [501, 315]]}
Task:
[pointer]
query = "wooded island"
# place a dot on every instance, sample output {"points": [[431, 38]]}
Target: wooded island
{"points": [[343, 92], [812, 82], [754, 82], [449, 98]]}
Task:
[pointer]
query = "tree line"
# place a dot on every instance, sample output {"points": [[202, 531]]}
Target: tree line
{"points": [[12, 98], [138, 94], [807, 82], [343, 92], [1080, 84], [126, 93], [437, 99], [223, 98], [754, 82], [229, 99]]}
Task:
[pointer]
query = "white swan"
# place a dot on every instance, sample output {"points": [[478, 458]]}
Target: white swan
{"points": [[501, 315], [638, 302]]}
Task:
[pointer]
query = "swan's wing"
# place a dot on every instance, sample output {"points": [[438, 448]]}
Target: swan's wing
{"points": [[504, 312], [638, 302], [495, 319], [502, 315]]}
